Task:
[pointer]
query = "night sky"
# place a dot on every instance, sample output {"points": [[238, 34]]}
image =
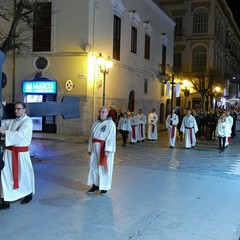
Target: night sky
{"points": [[235, 7]]}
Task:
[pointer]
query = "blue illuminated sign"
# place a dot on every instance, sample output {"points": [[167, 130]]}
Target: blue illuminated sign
{"points": [[39, 87]]}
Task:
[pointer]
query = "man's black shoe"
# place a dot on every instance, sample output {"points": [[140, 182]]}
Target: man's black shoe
{"points": [[93, 189], [27, 199], [104, 192], [4, 206]]}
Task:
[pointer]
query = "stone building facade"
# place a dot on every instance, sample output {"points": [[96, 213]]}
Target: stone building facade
{"points": [[138, 38], [206, 35]]}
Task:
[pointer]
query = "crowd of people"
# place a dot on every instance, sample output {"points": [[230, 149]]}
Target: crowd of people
{"points": [[17, 177], [220, 125], [133, 126], [192, 124]]}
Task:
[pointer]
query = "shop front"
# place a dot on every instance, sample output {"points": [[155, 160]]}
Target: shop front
{"points": [[41, 90]]}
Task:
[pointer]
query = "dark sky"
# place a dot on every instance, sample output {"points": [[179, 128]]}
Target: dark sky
{"points": [[234, 5]]}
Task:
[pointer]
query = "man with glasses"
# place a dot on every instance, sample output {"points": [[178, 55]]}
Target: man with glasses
{"points": [[101, 148], [17, 176]]}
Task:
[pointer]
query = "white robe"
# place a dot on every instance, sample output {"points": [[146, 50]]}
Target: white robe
{"points": [[152, 126], [19, 133], [189, 125], [106, 131], [142, 120], [229, 120], [124, 124], [175, 120], [133, 135], [222, 129]]}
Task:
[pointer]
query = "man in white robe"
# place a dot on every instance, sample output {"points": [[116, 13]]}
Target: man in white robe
{"points": [[142, 120], [229, 120], [124, 127], [171, 124], [152, 125], [189, 128], [133, 135], [17, 176], [101, 147]]}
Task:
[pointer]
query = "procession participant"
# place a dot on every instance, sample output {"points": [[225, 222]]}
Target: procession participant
{"points": [[119, 115], [234, 116], [222, 131], [142, 120], [133, 135], [113, 114], [152, 125], [181, 115], [101, 148], [229, 120], [171, 124], [17, 176], [124, 127], [189, 128]]}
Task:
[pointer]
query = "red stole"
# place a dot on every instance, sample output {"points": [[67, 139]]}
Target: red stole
{"points": [[153, 128], [134, 131]]}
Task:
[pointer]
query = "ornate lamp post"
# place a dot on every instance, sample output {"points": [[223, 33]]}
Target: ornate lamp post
{"points": [[104, 65]]}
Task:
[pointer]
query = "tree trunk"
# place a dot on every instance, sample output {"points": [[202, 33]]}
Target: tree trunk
{"points": [[202, 101]]}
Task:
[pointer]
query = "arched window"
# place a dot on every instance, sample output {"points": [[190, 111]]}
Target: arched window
{"points": [[200, 21], [199, 59], [131, 101]]}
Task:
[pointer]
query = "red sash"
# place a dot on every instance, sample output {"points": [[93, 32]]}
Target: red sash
{"points": [[15, 150], [173, 130], [190, 128], [153, 128], [103, 157], [134, 131]]}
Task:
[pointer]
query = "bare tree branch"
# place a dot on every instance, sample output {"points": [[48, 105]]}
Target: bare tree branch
{"points": [[20, 19]]}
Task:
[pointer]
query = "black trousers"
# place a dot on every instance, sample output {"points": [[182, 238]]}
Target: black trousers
{"points": [[221, 141], [124, 136]]}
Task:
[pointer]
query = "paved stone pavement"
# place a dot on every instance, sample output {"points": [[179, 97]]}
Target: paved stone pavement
{"points": [[157, 193]]}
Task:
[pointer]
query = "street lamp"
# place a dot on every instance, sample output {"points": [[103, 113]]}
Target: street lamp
{"points": [[104, 65], [217, 92]]}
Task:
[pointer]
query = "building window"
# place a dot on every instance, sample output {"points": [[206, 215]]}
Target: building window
{"points": [[199, 59], [145, 86], [177, 62], [116, 37], [147, 47], [134, 40], [200, 22], [42, 21], [178, 27]]}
